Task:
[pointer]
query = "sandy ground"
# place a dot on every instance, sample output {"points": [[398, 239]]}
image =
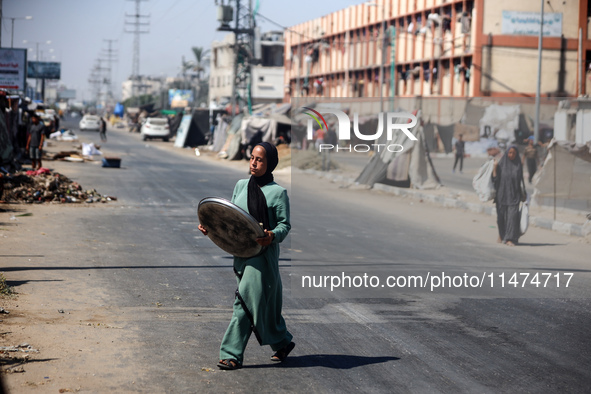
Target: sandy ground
{"points": [[68, 331]]}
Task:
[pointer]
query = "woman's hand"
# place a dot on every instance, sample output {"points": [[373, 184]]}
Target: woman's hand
{"points": [[267, 239], [202, 229]]}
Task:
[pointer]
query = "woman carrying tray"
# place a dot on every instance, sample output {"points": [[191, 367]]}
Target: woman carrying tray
{"points": [[258, 302]]}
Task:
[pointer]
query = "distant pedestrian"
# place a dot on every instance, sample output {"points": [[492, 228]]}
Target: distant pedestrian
{"points": [[35, 141], [103, 130], [319, 138], [330, 138], [510, 191], [530, 157], [459, 149]]}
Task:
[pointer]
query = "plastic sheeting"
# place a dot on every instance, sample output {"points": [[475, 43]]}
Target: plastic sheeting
{"points": [[254, 128], [573, 172], [420, 172], [500, 122]]}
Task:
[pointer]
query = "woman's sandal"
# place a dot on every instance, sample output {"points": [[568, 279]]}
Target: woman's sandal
{"points": [[229, 364], [282, 354]]}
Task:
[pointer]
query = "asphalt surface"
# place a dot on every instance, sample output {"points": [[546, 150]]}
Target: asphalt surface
{"points": [[176, 288]]}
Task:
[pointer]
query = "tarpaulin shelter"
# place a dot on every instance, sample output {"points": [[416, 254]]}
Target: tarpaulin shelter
{"points": [[505, 123], [119, 110], [231, 148], [175, 122], [566, 173], [411, 166], [198, 129], [198, 132]]}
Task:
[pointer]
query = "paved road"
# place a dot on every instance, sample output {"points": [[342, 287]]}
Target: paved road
{"points": [[176, 288]]}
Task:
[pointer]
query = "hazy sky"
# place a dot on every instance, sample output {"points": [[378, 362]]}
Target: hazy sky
{"points": [[77, 30]]}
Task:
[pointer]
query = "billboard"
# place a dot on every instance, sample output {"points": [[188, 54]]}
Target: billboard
{"points": [[13, 66], [44, 70], [179, 98], [66, 94]]}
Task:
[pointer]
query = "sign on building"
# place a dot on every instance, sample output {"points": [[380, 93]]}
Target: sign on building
{"points": [[519, 23], [13, 66], [44, 70]]}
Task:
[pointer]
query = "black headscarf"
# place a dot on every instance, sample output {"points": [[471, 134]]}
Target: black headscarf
{"points": [[509, 179], [257, 203]]}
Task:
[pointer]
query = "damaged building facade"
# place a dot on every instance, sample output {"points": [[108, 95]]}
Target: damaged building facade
{"points": [[267, 76], [457, 48]]}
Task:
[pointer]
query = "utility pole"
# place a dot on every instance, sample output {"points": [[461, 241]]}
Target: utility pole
{"points": [[538, 87], [109, 55], [97, 79], [138, 20], [244, 54], [1, 23]]}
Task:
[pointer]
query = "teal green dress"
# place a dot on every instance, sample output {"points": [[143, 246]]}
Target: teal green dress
{"points": [[259, 282]]}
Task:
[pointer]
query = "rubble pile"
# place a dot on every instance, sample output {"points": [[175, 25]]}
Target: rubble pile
{"points": [[43, 186]]}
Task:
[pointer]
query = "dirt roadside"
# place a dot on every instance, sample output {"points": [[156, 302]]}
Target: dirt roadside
{"points": [[72, 339]]}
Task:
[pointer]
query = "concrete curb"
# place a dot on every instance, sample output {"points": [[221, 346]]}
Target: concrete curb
{"points": [[560, 227]]}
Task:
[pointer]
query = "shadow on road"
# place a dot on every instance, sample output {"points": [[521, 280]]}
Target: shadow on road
{"points": [[16, 283], [540, 244], [334, 361]]}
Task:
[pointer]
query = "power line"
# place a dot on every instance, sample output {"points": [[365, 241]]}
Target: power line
{"points": [[137, 22]]}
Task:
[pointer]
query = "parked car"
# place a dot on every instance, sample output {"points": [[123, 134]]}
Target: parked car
{"points": [[155, 128], [90, 122]]}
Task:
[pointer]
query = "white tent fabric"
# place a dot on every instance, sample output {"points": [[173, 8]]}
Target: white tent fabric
{"points": [[251, 126], [394, 166], [573, 172], [220, 135], [502, 120]]}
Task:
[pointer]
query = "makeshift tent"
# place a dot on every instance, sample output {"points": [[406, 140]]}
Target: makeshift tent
{"points": [[500, 122], [220, 134], [573, 174], [410, 167], [175, 122], [231, 149], [198, 132]]}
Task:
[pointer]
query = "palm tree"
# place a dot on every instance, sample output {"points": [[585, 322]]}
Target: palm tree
{"points": [[201, 60], [199, 66]]}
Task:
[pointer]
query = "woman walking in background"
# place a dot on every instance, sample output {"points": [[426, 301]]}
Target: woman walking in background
{"points": [[510, 191]]}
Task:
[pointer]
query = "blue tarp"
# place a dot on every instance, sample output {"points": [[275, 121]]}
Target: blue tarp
{"points": [[119, 110]]}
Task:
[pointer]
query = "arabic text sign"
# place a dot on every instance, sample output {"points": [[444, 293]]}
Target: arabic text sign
{"points": [[520, 23], [13, 64]]}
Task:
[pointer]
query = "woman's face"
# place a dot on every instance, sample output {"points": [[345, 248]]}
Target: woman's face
{"points": [[512, 154], [258, 161]]}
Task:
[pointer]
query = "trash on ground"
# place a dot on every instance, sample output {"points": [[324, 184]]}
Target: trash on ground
{"points": [[90, 149], [25, 348], [43, 186], [112, 162], [64, 135]]}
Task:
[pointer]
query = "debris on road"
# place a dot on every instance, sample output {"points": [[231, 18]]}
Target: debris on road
{"points": [[64, 135], [43, 186], [24, 348]]}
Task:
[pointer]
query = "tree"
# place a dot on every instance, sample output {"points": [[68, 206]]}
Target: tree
{"points": [[201, 60]]}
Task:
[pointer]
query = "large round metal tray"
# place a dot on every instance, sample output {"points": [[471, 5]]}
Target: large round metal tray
{"points": [[230, 227]]}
